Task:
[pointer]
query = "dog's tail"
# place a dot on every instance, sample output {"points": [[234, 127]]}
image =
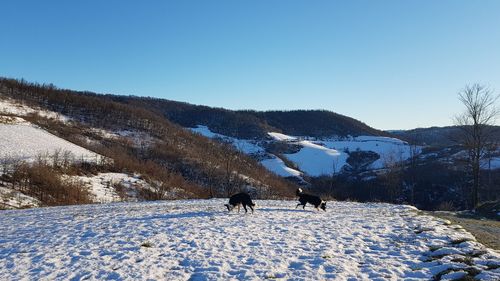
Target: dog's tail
{"points": [[299, 191]]}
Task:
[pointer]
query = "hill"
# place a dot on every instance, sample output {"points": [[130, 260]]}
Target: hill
{"points": [[436, 136], [250, 124], [136, 140]]}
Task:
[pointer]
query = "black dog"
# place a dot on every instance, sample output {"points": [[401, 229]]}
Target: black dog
{"points": [[311, 199], [240, 199]]}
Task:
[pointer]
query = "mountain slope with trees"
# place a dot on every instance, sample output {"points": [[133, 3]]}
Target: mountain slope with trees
{"points": [[166, 153], [250, 124]]}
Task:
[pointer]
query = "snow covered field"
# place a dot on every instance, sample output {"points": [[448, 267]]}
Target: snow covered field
{"points": [[198, 240]]}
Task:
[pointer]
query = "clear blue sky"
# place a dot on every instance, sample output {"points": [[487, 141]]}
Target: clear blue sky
{"points": [[390, 64]]}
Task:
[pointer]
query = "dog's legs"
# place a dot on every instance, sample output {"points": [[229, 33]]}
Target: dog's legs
{"points": [[297, 205], [251, 208], [304, 206], [245, 207], [238, 208]]}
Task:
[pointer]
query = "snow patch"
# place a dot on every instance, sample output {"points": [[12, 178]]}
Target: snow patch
{"points": [[277, 166], [102, 186], [13, 199], [9, 106], [140, 139], [281, 137], [493, 163], [245, 146]]}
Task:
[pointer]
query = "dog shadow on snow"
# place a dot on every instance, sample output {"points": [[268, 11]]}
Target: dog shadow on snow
{"points": [[211, 214], [284, 210], [172, 216]]}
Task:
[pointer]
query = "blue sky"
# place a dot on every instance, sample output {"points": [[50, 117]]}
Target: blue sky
{"points": [[390, 64]]}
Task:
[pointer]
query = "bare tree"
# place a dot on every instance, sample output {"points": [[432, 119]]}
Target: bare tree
{"points": [[393, 178], [229, 157], [335, 165], [476, 124], [414, 151]]}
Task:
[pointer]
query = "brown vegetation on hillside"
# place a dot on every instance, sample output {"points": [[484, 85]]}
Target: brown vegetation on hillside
{"points": [[43, 180], [174, 156]]}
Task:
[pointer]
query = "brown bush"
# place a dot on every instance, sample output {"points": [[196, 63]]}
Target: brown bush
{"points": [[42, 181]]}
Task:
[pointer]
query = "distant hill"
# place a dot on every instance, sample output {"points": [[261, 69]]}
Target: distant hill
{"points": [[436, 136], [250, 124]]}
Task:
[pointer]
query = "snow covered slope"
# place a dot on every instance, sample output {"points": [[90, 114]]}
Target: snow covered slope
{"points": [[198, 240], [102, 186], [317, 157], [25, 141], [277, 166], [252, 147], [327, 156], [317, 160], [245, 146], [386, 147], [22, 140]]}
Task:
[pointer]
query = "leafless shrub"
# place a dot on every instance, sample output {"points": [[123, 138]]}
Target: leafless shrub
{"points": [[446, 206]]}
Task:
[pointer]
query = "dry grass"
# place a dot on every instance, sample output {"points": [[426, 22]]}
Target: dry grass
{"points": [[486, 231]]}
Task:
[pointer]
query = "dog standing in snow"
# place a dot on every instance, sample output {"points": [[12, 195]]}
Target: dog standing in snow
{"points": [[305, 198], [240, 199]]}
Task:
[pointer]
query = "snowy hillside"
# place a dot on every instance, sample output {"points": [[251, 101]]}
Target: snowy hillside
{"points": [[252, 147], [318, 157], [245, 146], [21, 140], [386, 147], [102, 186], [24, 141], [199, 240], [11, 107], [317, 160], [277, 166]]}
